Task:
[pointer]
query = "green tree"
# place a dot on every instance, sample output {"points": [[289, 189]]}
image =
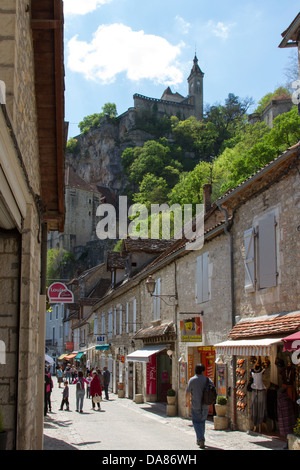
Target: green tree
{"points": [[57, 260], [264, 101], [94, 120]]}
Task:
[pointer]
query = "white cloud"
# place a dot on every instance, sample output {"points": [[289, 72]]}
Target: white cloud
{"points": [[219, 29], [82, 7], [116, 48], [184, 26]]}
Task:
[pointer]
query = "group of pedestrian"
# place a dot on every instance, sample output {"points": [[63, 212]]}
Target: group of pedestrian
{"points": [[91, 385]]}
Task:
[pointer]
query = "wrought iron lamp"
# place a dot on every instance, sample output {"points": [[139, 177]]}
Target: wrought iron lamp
{"points": [[151, 283]]}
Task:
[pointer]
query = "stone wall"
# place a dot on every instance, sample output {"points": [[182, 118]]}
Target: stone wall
{"points": [[23, 309], [284, 199]]}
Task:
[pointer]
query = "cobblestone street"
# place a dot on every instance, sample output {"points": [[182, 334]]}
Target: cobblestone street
{"points": [[124, 425]]}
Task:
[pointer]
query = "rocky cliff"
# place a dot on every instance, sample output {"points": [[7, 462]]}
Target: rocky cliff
{"points": [[97, 158]]}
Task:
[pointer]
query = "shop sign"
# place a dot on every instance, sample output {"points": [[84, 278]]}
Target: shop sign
{"points": [[191, 330], [59, 293], [69, 346], [151, 375], [100, 339]]}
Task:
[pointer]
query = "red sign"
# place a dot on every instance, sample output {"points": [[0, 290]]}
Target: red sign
{"points": [[151, 375], [59, 293]]}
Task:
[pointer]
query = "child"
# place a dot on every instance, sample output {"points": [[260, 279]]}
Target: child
{"points": [[65, 394], [88, 387]]}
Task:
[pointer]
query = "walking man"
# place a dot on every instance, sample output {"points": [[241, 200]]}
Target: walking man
{"points": [[199, 411], [106, 380]]}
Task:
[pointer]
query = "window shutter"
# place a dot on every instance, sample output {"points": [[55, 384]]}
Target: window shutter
{"points": [[127, 317], [205, 286], [199, 280], [267, 252], [249, 260], [134, 315], [95, 325], [120, 320]]}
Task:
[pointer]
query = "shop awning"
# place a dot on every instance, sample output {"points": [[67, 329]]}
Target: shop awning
{"points": [[62, 357], [102, 347], [70, 356], [247, 347], [291, 342], [142, 355], [49, 359], [79, 355]]}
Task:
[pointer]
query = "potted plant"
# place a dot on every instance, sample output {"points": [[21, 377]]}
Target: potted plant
{"points": [[171, 396], [221, 406], [3, 434]]}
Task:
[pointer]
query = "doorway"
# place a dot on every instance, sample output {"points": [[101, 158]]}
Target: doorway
{"points": [[164, 376]]}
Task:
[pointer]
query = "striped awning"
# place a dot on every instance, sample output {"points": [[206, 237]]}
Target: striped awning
{"points": [[70, 356], [247, 347], [79, 355], [62, 357]]}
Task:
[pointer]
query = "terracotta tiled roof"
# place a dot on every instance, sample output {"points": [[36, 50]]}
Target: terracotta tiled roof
{"points": [[278, 324], [156, 331]]}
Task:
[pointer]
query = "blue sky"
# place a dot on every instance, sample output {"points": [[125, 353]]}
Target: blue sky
{"points": [[115, 48]]}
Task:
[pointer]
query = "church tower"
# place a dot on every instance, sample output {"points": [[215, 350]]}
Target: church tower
{"points": [[195, 82]]}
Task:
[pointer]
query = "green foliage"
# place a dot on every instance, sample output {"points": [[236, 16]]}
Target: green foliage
{"points": [[297, 427], [269, 96], [171, 392], [72, 145], [221, 400], [56, 261], [94, 120]]}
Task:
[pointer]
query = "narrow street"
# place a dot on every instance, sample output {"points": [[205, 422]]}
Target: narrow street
{"points": [[123, 425]]}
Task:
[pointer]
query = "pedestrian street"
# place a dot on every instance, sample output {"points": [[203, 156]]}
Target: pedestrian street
{"points": [[121, 424]]}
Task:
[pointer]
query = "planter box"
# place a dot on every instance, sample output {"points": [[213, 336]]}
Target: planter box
{"points": [[171, 410], [139, 398], [221, 410], [171, 400], [220, 423]]}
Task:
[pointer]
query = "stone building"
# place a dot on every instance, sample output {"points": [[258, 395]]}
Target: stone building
{"points": [[265, 237], [97, 158], [278, 105], [174, 104], [79, 236], [32, 140]]}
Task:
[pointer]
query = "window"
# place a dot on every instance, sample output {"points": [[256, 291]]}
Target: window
{"points": [[103, 323], [96, 325], [156, 300], [130, 316], [260, 257], [110, 324], [202, 280], [115, 321]]}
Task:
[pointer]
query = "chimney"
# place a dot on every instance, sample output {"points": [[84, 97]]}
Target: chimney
{"points": [[207, 190]]}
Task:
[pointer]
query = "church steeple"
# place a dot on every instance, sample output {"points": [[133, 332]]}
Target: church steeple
{"points": [[195, 82]]}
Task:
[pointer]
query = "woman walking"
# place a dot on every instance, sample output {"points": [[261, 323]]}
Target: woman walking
{"points": [[79, 382], [95, 389]]}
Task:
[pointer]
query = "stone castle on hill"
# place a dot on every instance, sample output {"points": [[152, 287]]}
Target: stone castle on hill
{"points": [[94, 170], [174, 103], [98, 156]]}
